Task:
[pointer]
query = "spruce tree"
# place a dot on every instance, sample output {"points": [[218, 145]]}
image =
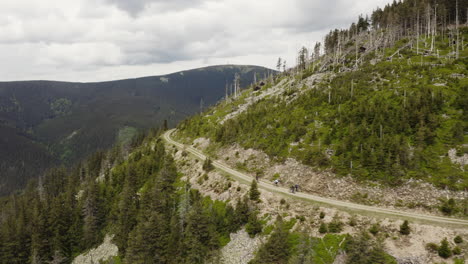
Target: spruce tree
{"points": [[404, 228], [276, 249], [323, 228], [444, 249], [254, 226], [254, 193]]}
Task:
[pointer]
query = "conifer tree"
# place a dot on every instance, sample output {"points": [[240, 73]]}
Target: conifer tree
{"points": [[444, 249], [276, 249], [404, 228], [254, 193], [254, 226]]}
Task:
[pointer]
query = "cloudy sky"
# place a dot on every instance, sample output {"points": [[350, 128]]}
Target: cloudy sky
{"points": [[96, 40]]}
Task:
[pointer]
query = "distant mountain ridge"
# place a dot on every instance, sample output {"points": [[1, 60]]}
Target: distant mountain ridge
{"points": [[50, 122]]}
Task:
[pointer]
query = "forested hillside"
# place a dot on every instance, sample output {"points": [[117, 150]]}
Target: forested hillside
{"points": [[46, 123], [153, 215], [385, 102], [156, 217]]}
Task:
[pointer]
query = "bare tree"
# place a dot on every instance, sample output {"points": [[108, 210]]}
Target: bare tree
{"points": [[226, 97], [457, 54], [202, 105], [302, 58], [279, 64]]}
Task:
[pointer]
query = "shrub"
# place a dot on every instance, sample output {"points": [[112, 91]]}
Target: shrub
{"points": [[207, 165], [404, 228], [283, 201], [335, 226], [276, 176], [448, 207], [375, 228], [458, 240], [444, 249], [323, 228], [352, 221], [456, 251], [433, 247], [322, 215]]}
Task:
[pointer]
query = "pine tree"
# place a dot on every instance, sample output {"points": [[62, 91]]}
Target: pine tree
{"points": [[404, 228], [254, 226], [276, 249], [207, 165], [444, 249], [254, 193], [323, 228], [242, 213], [92, 215]]}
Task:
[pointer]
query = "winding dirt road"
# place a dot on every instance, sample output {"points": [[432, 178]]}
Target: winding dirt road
{"points": [[314, 198]]}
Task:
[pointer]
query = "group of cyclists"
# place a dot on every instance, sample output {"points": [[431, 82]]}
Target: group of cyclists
{"points": [[294, 188]]}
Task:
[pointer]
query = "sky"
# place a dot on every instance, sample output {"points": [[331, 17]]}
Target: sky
{"points": [[99, 40]]}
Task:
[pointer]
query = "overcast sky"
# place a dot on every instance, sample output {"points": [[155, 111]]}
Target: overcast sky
{"points": [[96, 40]]}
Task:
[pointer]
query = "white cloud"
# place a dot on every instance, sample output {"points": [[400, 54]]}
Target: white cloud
{"points": [[91, 40]]}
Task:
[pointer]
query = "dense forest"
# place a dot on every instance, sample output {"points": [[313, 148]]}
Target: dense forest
{"points": [[393, 117], [46, 123], [153, 215], [156, 217]]}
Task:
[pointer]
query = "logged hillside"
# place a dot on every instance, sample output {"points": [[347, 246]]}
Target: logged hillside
{"points": [[44, 123], [377, 109]]}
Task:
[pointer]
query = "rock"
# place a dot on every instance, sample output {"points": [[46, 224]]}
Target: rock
{"points": [[103, 252], [241, 249]]}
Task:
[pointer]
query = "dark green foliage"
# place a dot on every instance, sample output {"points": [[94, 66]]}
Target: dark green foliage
{"points": [[322, 215], [254, 193], [323, 228], [253, 226], [444, 249], [277, 249], [375, 228], [155, 217], [405, 228], [242, 212], [361, 249], [448, 207], [44, 123], [458, 240], [433, 247], [456, 251], [207, 165], [335, 226]]}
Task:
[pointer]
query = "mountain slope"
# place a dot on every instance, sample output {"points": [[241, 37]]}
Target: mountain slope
{"points": [[389, 120], [60, 122], [335, 203]]}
